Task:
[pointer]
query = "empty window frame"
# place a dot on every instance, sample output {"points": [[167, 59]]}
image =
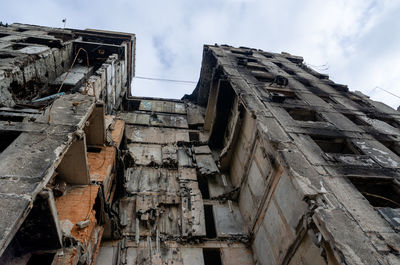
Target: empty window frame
{"points": [[355, 119], [336, 145], [6, 138], [194, 136], [304, 114], [211, 232], [41, 259], [6, 56], [327, 99], [284, 68], [212, 256], [203, 187], [360, 102], [263, 76], [378, 192]]}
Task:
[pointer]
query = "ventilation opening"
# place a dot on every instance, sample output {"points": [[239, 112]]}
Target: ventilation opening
{"points": [[379, 192], [203, 186], [41, 259], [6, 138], [210, 223], [355, 119], [212, 256], [304, 115], [11, 118], [334, 145], [194, 136]]}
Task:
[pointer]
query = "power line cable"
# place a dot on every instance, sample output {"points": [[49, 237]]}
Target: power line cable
{"points": [[165, 80], [386, 91]]}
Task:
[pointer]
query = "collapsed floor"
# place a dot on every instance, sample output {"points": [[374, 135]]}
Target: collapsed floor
{"points": [[266, 162]]}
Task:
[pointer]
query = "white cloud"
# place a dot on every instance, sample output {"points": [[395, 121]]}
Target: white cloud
{"points": [[358, 39]]}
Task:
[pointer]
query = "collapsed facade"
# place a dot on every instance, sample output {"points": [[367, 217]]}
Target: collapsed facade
{"points": [[266, 162]]}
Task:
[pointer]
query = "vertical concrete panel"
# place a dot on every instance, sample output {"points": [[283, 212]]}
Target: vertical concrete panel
{"points": [[263, 253], [237, 256], [246, 205], [192, 256], [289, 201], [256, 183], [278, 233]]}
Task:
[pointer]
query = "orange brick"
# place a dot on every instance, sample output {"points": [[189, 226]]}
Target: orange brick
{"points": [[77, 205], [118, 132], [101, 164]]}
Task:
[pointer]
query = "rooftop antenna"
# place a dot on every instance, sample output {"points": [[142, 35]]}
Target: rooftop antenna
{"points": [[64, 21]]}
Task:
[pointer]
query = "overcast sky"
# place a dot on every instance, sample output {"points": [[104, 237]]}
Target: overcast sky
{"points": [[356, 42]]}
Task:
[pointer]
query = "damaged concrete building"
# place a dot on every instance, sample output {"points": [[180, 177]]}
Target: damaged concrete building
{"points": [[266, 162]]}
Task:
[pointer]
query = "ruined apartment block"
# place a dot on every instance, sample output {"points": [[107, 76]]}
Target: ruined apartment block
{"points": [[266, 162]]}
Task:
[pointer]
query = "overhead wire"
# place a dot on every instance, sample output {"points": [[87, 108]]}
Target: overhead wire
{"points": [[165, 80], [385, 91]]}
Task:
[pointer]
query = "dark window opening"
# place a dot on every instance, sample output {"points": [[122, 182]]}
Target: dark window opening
{"points": [[93, 149], [334, 145], [47, 42], [41, 259], [327, 99], [340, 87], [194, 136], [203, 187], [267, 56], [256, 67], [264, 79], [3, 35], [379, 192], [17, 46], [360, 102], [355, 119], [6, 56], [263, 76], [6, 138], [61, 35], [11, 118], [304, 115], [210, 223], [284, 68], [21, 29], [285, 92], [212, 256], [225, 100], [244, 52]]}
